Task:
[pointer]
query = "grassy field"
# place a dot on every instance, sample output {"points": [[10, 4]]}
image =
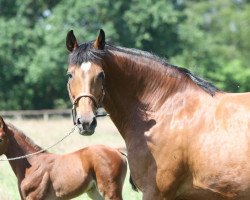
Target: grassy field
{"points": [[46, 133]]}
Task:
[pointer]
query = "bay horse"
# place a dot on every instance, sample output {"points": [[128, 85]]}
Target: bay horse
{"points": [[97, 170], [185, 138]]}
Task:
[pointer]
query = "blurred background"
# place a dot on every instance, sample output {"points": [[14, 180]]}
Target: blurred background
{"points": [[209, 37]]}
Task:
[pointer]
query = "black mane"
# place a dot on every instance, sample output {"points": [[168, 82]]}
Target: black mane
{"points": [[205, 85], [86, 53]]}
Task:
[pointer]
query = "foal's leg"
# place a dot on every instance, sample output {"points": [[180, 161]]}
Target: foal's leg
{"points": [[110, 172], [111, 186], [94, 194]]}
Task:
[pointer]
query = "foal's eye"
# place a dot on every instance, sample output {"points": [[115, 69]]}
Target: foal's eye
{"points": [[69, 75]]}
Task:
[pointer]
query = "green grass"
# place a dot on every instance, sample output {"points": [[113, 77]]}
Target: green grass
{"points": [[46, 133]]}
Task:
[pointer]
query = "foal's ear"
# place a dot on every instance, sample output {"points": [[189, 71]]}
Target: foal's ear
{"points": [[100, 40], [71, 42], [2, 124]]}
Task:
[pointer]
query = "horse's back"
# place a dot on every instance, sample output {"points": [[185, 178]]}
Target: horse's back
{"points": [[232, 99], [232, 114], [219, 155]]}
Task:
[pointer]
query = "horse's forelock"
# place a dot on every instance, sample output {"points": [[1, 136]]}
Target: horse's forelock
{"points": [[85, 53]]}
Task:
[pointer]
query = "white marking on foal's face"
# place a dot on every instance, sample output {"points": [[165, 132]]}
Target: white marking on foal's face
{"points": [[85, 66]]}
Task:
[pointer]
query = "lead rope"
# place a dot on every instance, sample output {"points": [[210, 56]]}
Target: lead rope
{"points": [[40, 151]]}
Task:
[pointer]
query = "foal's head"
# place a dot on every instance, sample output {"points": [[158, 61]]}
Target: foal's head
{"points": [[85, 81], [3, 136]]}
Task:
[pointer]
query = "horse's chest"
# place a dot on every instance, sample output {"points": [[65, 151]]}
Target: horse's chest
{"points": [[154, 165], [141, 165]]}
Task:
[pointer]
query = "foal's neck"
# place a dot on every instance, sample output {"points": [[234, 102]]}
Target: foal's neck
{"points": [[19, 145]]}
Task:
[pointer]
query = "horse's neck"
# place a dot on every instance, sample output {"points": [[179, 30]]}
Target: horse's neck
{"points": [[133, 92], [19, 146]]}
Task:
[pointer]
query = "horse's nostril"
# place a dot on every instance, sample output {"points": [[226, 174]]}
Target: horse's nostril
{"points": [[93, 123], [78, 121], [87, 123]]}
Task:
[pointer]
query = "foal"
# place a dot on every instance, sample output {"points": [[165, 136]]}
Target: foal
{"points": [[97, 170]]}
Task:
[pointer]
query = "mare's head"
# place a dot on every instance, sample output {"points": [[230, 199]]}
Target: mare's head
{"points": [[3, 136], [85, 80]]}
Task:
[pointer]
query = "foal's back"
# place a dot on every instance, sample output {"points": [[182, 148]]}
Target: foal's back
{"points": [[96, 170]]}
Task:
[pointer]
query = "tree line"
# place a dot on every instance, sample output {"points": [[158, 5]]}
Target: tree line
{"points": [[211, 38]]}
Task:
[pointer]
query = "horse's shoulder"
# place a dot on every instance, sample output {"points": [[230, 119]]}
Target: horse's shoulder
{"points": [[34, 179]]}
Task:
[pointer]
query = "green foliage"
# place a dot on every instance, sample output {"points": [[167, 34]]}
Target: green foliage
{"points": [[19, 43], [152, 26], [214, 42], [208, 37]]}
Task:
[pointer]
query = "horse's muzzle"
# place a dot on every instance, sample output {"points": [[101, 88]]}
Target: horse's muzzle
{"points": [[86, 126]]}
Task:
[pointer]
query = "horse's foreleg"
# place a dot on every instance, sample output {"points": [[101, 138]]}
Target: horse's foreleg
{"points": [[151, 194]]}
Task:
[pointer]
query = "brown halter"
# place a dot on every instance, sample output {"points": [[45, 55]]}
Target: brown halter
{"points": [[75, 101]]}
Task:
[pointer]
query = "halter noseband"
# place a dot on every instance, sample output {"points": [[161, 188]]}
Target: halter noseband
{"points": [[75, 101], [96, 103]]}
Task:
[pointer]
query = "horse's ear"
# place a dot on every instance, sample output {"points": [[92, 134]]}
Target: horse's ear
{"points": [[2, 124], [100, 40], [71, 42]]}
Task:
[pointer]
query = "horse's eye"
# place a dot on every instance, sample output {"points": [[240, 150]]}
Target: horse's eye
{"points": [[100, 76], [69, 75]]}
